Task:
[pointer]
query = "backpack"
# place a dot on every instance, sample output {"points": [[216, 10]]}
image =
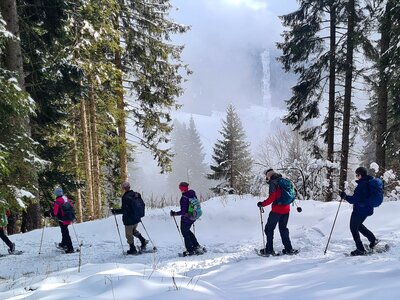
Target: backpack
{"points": [[67, 210], [288, 194], [375, 192], [138, 206], [194, 209]]}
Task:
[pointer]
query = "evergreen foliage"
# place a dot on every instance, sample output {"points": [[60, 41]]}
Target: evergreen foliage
{"points": [[232, 158]]}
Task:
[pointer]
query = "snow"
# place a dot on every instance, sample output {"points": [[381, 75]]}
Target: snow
{"points": [[230, 228]]}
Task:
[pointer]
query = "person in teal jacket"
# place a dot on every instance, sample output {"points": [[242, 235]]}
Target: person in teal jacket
{"points": [[3, 225]]}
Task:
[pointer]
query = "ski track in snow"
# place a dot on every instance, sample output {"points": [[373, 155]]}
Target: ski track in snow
{"points": [[229, 237]]}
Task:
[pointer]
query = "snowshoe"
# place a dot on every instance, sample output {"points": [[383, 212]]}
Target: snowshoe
{"points": [[186, 253], [15, 252], [142, 251], [262, 252]]}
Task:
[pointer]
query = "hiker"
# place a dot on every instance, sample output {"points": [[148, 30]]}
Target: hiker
{"points": [[131, 210], [279, 214], [65, 218], [361, 211], [191, 243], [4, 214]]}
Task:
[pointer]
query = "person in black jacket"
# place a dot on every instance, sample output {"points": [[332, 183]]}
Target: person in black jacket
{"points": [[360, 212], [130, 218]]}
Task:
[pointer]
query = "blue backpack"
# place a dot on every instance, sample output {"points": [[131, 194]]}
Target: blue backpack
{"points": [[194, 209], [375, 192], [288, 193]]}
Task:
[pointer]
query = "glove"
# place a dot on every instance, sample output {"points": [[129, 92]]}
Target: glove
{"points": [[172, 213], [342, 195], [259, 204], [47, 214], [113, 211]]}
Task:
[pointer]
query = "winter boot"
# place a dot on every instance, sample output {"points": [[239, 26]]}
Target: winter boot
{"points": [[143, 242], [12, 248], [373, 244], [188, 253], [358, 252], [290, 252], [266, 252], [62, 246], [68, 251], [132, 250]]}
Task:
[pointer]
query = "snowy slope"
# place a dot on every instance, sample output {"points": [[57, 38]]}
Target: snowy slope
{"points": [[230, 229]]}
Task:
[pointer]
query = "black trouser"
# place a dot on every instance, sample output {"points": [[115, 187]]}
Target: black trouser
{"points": [[5, 238], [190, 240], [273, 219], [66, 239], [357, 226]]}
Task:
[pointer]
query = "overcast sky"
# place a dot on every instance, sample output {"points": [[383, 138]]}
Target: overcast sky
{"points": [[223, 47]]}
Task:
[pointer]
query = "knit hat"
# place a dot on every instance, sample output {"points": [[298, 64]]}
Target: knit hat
{"points": [[183, 183], [58, 192]]}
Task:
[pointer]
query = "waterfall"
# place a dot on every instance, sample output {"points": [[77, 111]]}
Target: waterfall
{"points": [[266, 79]]}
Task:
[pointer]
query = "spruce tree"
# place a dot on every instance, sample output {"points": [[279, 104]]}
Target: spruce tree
{"points": [[232, 156]]}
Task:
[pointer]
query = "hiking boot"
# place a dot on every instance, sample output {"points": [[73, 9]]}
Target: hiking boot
{"points": [[12, 248], [132, 250], [290, 252], [188, 253], [373, 244], [358, 252], [144, 244], [266, 252]]}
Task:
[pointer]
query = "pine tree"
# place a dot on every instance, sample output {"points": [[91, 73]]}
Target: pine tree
{"points": [[152, 69], [232, 156]]}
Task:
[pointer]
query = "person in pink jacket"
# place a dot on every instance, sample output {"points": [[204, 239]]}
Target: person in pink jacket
{"points": [[63, 219]]}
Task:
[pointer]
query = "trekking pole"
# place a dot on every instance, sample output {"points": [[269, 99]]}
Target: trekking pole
{"points": [[151, 241], [120, 239], [41, 239], [179, 231], [76, 236], [326, 248], [262, 227]]}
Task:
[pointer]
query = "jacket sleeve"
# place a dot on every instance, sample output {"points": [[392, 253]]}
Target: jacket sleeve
{"points": [[56, 208], [274, 194], [357, 196], [184, 203]]}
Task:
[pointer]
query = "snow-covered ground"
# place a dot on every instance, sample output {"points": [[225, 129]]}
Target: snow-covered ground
{"points": [[230, 229]]}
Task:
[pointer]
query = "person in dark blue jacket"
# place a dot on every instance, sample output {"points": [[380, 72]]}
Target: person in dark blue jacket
{"points": [[360, 212], [130, 218], [191, 243]]}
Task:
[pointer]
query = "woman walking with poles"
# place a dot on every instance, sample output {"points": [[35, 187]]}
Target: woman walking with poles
{"points": [[279, 214], [191, 243]]}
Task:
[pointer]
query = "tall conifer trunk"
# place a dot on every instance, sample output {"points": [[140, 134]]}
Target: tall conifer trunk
{"points": [[347, 94], [382, 105], [88, 163], [96, 184], [332, 91], [78, 199]]}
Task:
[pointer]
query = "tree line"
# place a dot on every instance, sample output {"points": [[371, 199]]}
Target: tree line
{"points": [[71, 74]]}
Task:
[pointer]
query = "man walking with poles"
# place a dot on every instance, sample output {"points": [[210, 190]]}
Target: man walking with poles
{"points": [[132, 210]]}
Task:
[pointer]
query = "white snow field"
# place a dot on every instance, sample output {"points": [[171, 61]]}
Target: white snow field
{"points": [[230, 228]]}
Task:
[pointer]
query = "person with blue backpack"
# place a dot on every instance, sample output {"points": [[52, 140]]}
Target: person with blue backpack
{"points": [[367, 195], [132, 210], [281, 195], [189, 214]]}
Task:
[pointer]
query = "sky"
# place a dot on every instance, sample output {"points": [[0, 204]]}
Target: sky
{"points": [[223, 50], [229, 270]]}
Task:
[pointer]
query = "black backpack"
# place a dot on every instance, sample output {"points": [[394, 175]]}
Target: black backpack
{"points": [[138, 205], [68, 211]]}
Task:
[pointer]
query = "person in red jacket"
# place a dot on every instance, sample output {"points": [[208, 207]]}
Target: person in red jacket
{"points": [[279, 214], [66, 242]]}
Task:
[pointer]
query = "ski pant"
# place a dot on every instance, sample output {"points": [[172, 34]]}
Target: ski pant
{"points": [[130, 232], [5, 238], [274, 219], [357, 227], [66, 239], [190, 239]]}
